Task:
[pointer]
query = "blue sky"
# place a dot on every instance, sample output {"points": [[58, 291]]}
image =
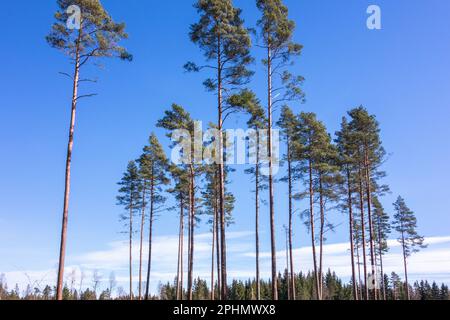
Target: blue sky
{"points": [[399, 73]]}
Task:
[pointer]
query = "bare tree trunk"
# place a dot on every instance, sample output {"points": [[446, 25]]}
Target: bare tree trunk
{"points": [[62, 249], [192, 228], [131, 249], [312, 226], [271, 196], [359, 272], [141, 241], [189, 243], [217, 226], [219, 293], [217, 232], [380, 253], [405, 266], [213, 252], [363, 236], [352, 247], [291, 258], [369, 211], [150, 236], [258, 280], [288, 277], [180, 252], [321, 236], [222, 212]]}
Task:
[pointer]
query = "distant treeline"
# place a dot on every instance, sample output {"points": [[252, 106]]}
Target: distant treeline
{"points": [[334, 289]]}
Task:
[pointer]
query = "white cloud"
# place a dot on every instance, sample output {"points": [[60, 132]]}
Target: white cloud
{"points": [[432, 263]]}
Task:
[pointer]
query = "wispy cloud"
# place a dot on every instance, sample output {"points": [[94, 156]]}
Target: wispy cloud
{"points": [[432, 263]]}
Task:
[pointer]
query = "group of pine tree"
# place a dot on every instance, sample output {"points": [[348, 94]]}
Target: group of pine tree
{"points": [[324, 175]]}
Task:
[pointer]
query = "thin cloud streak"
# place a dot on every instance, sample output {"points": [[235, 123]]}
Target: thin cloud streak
{"points": [[432, 263]]}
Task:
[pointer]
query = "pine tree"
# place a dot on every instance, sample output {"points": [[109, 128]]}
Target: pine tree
{"points": [[257, 122], [153, 165], [179, 119], [130, 198], [98, 37], [180, 191], [327, 180], [225, 42], [210, 205], [405, 223], [289, 124], [382, 231], [276, 31], [346, 151], [370, 155], [318, 161], [210, 198]]}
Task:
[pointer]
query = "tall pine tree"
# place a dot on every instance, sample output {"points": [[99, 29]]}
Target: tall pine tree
{"points": [[153, 171], [257, 122], [177, 118], [276, 31], [289, 124], [98, 36], [225, 42]]}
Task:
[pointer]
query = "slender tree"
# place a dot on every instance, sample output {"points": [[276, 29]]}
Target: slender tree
{"points": [[290, 125], [153, 170], [98, 36], [210, 197], [371, 155], [315, 150], [179, 119], [130, 198], [142, 223], [405, 223], [225, 42], [382, 231], [180, 191], [210, 200], [276, 31], [346, 149], [327, 181], [257, 122]]}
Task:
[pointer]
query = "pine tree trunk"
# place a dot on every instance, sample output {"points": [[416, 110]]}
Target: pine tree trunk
{"points": [[131, 248], [291, 258], [363, 235], [322, 226], [213, 252], [62, 250], [383, 284], [380, 253], [141, 242], [271, 197], [180, 252], [189, 243], [312, 226], [219, 293], [358, 261], [217, 232], [405, 265], [192, 227], [369, 211], [352, 247], [287, 275], [258, 280], [150, 236], [222, 212]]}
